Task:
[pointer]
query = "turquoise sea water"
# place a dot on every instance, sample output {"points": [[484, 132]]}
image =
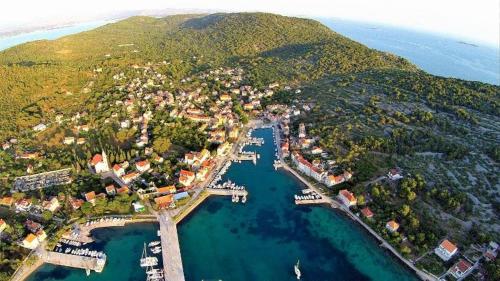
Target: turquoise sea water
{"points": [[259, 240], [123, 247]]}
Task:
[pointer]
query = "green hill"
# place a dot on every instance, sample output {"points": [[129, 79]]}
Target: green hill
{"points": [[44, 76]]}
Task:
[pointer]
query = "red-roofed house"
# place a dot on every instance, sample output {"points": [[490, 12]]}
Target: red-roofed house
{"points": [[392, 226], [3, 225], [110, 190], [347, 198], [367, 213], [164, 201], [90, 197], [307, 168], [123, 190], [128, 178], [460, 269], [100, 163], [142, 166], [202, 174], [166, 190], [118, 170], [186, 178], [446, 250], [76, 203], [332, 180]]}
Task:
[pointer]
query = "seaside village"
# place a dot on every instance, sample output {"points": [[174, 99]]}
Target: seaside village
{"points": [[142, 101]]}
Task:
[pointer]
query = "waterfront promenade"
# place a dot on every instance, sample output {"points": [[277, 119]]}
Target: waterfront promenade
{"points": [[171, 251]]}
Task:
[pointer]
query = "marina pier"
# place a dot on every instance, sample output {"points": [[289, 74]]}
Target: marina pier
{"points": [[83, 262], [248, 156], [171, 252], [227, 192]]}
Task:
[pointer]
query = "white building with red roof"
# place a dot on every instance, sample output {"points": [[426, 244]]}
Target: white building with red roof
{"points": [[446, 250], [347, 198], [142, 166], [392, 226], [307, 168], [186, 178], [100, 163], [128, 178], [367, 213], [460, 269], [3, 225], [118, 170]]}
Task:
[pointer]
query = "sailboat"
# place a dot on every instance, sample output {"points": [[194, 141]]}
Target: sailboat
{"points": [[147, 261], [297, 270]]}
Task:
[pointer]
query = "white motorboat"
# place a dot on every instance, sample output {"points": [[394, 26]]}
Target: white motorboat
{"points": [[154, 243], [297, 270]]}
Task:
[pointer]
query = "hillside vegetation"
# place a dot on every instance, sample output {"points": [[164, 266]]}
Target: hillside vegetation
{"points": [[44, 75]]}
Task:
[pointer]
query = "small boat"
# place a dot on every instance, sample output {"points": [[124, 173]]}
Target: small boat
{"points": [[244, 199], [154, 243], [156, 250], [297, 270]]}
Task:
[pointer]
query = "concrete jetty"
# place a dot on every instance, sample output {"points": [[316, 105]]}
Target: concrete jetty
{"points": [[171, 251], [227, 192], [247, 157], [83, 262], [312, 201]]}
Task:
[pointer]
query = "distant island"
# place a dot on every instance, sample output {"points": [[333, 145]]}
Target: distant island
{"points": [[139, 116], [469, 44]]}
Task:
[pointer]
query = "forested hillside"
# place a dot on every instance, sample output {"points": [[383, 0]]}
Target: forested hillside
{"points": [[42, 74]]}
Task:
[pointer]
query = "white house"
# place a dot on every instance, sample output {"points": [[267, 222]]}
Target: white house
{"points": [[460, 269], [446, 250], [40, 127], [142, 166], [347, 198], [394, 174], [392, 226], [307, 168], [118, 170], [100, 163]]}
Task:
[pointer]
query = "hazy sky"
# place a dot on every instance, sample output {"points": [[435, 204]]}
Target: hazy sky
{"points": [[476, 20]]}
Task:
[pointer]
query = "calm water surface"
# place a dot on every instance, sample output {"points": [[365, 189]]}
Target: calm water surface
{"points": [[435, 54], [259, 240]]}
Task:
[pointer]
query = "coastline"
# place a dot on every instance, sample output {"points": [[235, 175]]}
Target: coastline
{"points": [[201, 194], [346, 211], [24, 271]]}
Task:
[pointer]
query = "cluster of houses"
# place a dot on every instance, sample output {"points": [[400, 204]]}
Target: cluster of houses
{"points": [[26, 205], [35, 233]]}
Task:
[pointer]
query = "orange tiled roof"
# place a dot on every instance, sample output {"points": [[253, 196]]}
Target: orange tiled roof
{"points": [[348, 195], [367, 212], [30, 238], [393, 225], [96, 159], [448, 246]]}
